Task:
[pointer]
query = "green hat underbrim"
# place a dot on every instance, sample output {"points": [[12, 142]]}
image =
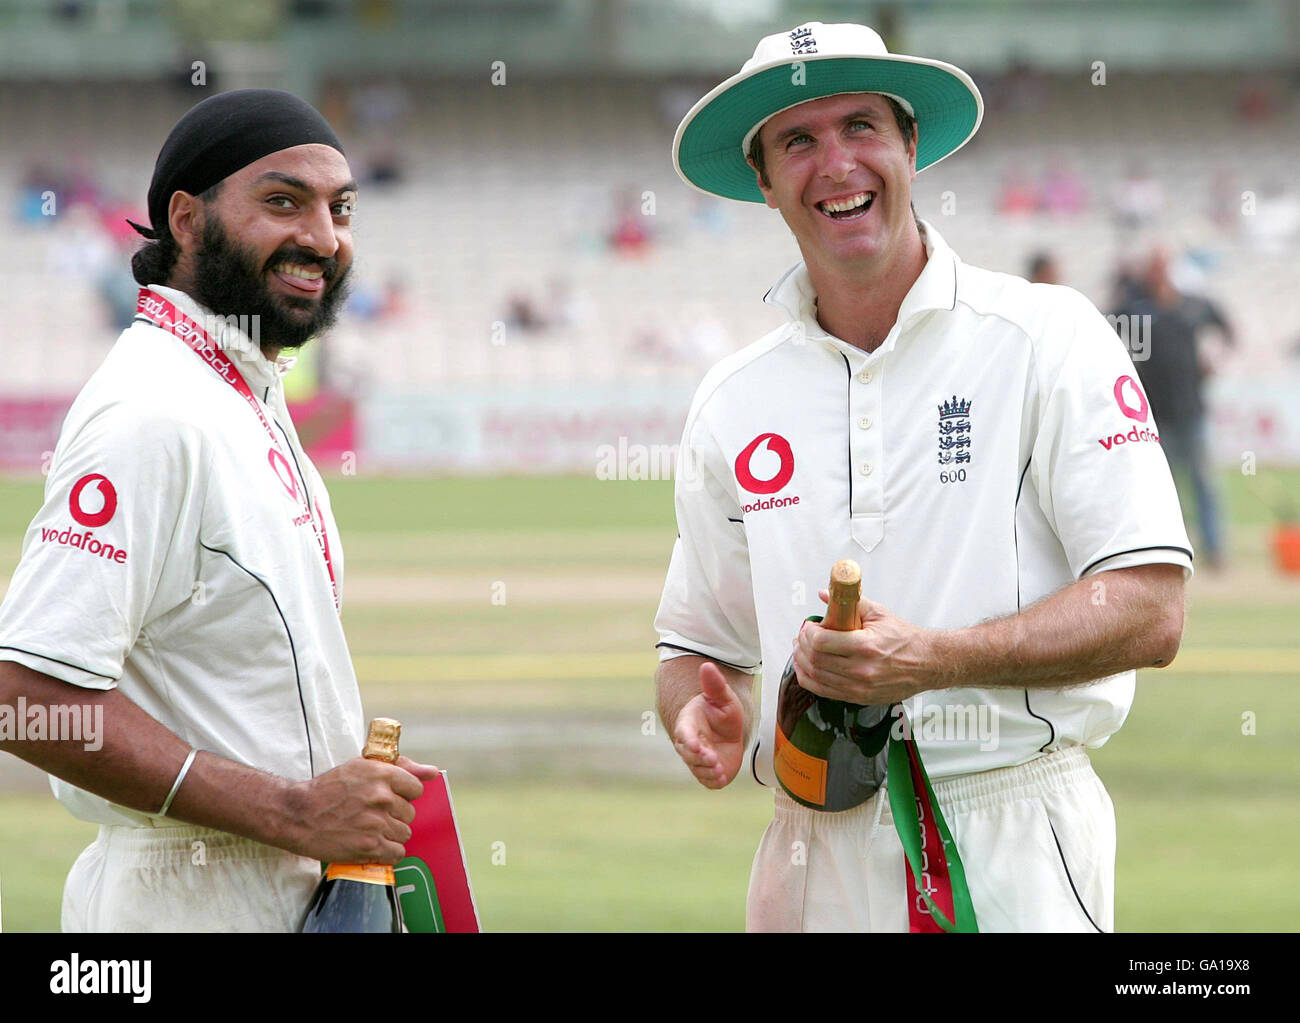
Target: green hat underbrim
{"points": [[707, 149]]}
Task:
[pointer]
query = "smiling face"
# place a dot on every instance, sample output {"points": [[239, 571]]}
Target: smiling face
{"points": [[276, 242], [840, 172]]}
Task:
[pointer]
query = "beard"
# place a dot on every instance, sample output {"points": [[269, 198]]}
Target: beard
{"points": [[229, 282]]}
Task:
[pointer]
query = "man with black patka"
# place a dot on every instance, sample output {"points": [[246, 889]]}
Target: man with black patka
{"points": [[184, 576]]}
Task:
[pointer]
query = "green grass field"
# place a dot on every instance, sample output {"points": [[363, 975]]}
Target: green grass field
{"points": [[509, 622]]}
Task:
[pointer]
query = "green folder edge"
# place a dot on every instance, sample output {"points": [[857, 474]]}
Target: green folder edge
{"points": [[418, 896]]}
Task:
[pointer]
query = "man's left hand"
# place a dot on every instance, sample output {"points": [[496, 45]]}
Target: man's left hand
{"points": [[885, 661]]}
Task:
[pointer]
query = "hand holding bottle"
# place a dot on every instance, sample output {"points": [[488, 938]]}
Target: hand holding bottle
{"points": [[880, 661], [360, 812]]}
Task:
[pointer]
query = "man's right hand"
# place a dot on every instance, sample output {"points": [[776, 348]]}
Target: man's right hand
{"points": [[709, 734], [360, 812]]}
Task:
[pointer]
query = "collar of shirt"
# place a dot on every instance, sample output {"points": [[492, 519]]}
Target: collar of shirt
{"points": [[259, 371], [935, 288]]}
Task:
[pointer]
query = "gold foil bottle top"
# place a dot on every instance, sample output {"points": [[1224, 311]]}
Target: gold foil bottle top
{"points": [[381, 743], [845, 593]]}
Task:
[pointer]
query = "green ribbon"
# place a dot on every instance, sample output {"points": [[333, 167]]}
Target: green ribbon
{"points": [[902, 803]]}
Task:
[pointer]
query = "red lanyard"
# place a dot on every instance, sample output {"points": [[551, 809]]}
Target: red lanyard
{"points": [[162, 313]]}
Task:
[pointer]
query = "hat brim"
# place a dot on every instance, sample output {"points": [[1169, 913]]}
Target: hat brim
{"points": [[707, 147]]}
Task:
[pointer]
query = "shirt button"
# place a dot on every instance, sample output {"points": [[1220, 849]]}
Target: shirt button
{"points": [[865, 376], [866, 468], [865, 422]]}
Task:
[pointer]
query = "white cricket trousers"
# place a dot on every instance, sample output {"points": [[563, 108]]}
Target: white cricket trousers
{"points": [[185, 879], [1037, 842]]}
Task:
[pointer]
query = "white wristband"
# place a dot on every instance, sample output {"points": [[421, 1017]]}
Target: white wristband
{"points": [[176, 785]]}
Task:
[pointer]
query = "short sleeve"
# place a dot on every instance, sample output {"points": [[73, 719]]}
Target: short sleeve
{"points": [[707, 606], [114, 546], [1097, 465]]}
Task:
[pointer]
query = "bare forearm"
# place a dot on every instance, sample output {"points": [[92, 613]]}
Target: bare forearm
{"points": [[678, 682], [1098, 626], [138, 758]]}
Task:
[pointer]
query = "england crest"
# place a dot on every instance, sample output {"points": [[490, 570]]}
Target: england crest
{"points": [[954, 432]]}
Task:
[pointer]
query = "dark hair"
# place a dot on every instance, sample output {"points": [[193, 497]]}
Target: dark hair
{"points": [[906, 127], [1039, 262], [154, 261]]}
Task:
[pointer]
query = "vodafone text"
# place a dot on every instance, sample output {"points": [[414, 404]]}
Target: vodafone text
{"points": [[84, 541], [230, 333], [102, 977], [1132, 437], [55, 722], [771, 502]]}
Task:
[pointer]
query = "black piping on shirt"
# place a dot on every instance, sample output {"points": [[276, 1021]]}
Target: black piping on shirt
{"points": [[707, 657], [1134, 550], [297, 675], [1015, 531], [69, 664], [1015, 536], [848, 448]]}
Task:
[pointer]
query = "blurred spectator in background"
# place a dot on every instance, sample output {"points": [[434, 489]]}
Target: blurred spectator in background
{"points": [[389, 303], [1140, 198], [117, 286], [524, 313], [45, 193], [380, 112], [710, 214], [1017, 196], [1129, 284], [630, 235], [1043, 269], [1062, 193], [1225, 200], [1173, 373], [563, 307], [81, 250], [1256, 102], [1021, 89]]}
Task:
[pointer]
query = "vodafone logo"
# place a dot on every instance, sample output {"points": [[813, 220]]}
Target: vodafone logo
{"points": [[1137, 411], [93, 501], [280, 466], [777, 456]]}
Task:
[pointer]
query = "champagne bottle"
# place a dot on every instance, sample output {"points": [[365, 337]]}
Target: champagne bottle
{"points": [[359, 898], [830, 755]]}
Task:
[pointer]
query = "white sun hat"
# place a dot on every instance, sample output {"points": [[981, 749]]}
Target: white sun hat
{"points": [[811, 62]]}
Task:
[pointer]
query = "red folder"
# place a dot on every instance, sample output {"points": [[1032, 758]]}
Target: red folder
{"points": [[433, 880]]}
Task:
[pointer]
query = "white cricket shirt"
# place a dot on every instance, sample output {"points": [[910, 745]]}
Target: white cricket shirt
{"points": [[176, 558], [995, 448]]}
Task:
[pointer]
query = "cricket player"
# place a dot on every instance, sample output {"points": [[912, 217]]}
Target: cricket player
{"points": [[979, 444], [183, 579]]}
